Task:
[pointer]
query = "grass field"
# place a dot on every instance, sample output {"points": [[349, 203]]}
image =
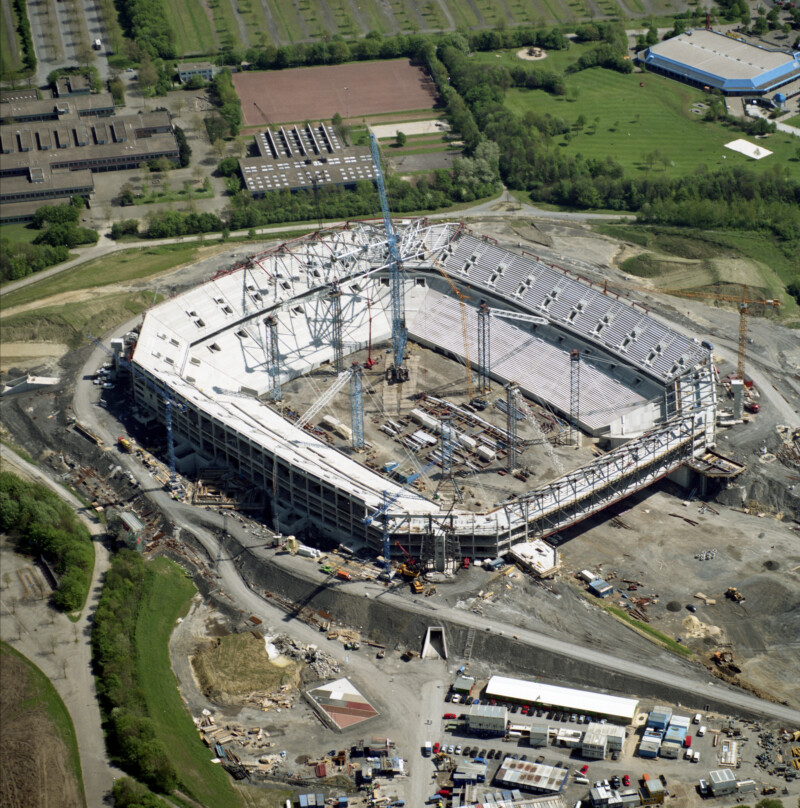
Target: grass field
{"points": [[795, 121], [556, 61], [192, 27], [36, 709], [115, 268], [628, 122], [774, 268], [166, 597], [10, 46], [307, 20], [18, 233]]}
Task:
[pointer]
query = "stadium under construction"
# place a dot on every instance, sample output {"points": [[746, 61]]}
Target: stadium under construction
{"points": [[464, 437]]}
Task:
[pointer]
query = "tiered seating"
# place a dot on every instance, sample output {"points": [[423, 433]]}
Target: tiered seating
{"points": [[537, 365], [575, 306]]}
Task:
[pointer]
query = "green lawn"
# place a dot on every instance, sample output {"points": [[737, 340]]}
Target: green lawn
{"points": [[555, 62], [795, 121], [17, 233], [122, 266], [192, 27], [167, 595], [633, 121], [42, 693]]}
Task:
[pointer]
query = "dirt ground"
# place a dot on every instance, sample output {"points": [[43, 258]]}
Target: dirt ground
{"points": [[318, 93], [33, 758]]}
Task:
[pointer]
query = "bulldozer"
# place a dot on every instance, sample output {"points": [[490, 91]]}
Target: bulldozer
{"points": [[724, 660], [734, 594], [408, 572], [416, 586]]}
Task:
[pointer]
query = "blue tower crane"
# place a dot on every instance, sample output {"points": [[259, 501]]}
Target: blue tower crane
{"points": [[169, 403], [398, 371]]}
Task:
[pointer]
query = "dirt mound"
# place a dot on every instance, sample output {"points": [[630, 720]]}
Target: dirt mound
{"points": [[230, 669], [674, 606]]}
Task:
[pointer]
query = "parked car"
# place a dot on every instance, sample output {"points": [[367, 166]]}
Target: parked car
{"points": [[482, 753], [491, 753], [514, 708], [450, 749], [615, 782], [573, 718], [456, 698], [108, 385], [458, 750], [436, 748], [584, 768], [540, 759], [449, 715], [469, 700], [626, 779], [523, 757]]}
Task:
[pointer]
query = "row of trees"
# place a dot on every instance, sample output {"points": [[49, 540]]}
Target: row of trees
{"points": [[131, 733], [23, 26], [224, 96], [377, 46], [20, 259], [43, 525]]}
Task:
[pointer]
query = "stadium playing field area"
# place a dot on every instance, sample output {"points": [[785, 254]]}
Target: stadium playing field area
{"points": [[318, 93]]}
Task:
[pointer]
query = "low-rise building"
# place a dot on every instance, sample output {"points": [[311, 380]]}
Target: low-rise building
{"points": [[187, 70], [537, 556], [304, 157], [569, 737], [721, 782], [95, 105], [487, 719], [670, 749], [73, 84], [600, 740], [601, 588], [468, 772], [659, 718], [538, 734], [533, 777], [649, 745], [463, 685]]}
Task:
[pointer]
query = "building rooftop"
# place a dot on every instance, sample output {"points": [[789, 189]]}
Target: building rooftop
{"points": [[538, 555], [57, 107], [305, 156], [531, 776], [722, 61], [488, 710], [720, 776], [580, 701]]}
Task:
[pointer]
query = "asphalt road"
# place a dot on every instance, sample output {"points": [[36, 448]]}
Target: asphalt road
{"points": [[69, 665]]}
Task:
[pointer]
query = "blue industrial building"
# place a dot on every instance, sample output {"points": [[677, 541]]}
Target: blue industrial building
{"points": [[712, 60]]}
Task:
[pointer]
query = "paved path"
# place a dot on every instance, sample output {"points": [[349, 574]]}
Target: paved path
{"points": [[61, 648]]}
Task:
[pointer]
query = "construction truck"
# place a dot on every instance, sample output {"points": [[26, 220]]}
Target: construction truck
{"points": [[125, 444], [724, 660], [416, 587], [734, 594], [408, 571]]}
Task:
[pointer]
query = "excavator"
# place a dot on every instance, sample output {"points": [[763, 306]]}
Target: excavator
{"points": [[409, 568]]}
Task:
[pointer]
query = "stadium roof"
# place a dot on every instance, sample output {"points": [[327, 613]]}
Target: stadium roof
{"points": [[581, 701], [723, 62]]}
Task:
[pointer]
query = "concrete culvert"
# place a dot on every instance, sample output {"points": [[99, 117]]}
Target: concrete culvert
{"points": [[674, 606]]}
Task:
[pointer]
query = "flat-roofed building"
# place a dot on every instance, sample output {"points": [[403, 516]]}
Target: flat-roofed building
{"points": [[537, 556], [186, 70], [95, 105], [534, 777], [74, 84], [44, 185], [487, 719], [303, 157], [614, 708], [713, 60], [721, 782]]}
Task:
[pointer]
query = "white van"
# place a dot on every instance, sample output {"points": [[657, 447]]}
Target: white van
{"points": [[697, 718], [701, 731], [696, 757]]}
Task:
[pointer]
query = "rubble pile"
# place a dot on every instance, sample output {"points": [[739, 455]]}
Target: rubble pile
{"points": [[318, 662]]}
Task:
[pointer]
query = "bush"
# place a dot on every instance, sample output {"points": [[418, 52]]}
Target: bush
{"points": [[128, 793], [127, 227], [25, 36], [145, 21], [228, 166], [44, 525], [184, 149]]}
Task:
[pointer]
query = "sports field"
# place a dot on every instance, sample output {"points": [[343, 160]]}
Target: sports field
{"points": [[650, 128], [318, 93]]}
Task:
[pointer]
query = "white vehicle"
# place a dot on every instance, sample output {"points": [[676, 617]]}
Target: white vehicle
{"points": [[456, 698], [703, 787], [458, 750], [697, 718], [701, 731], [696, 757], [688, 754]]}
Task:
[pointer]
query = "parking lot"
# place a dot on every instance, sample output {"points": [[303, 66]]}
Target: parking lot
{"points": [[709, 735]]}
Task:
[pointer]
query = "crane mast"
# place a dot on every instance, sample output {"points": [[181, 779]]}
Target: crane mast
{"points": [[398, 372]]}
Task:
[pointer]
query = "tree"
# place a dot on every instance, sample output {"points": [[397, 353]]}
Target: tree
{"points": [[219, 148], [126, 196], [148, 74], [760, 26], [400, 139]]}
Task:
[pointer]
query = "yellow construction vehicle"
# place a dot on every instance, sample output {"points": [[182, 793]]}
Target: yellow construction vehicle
{"points": [[408, 572], [431, 591], [416, 587], [734, 594]]}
